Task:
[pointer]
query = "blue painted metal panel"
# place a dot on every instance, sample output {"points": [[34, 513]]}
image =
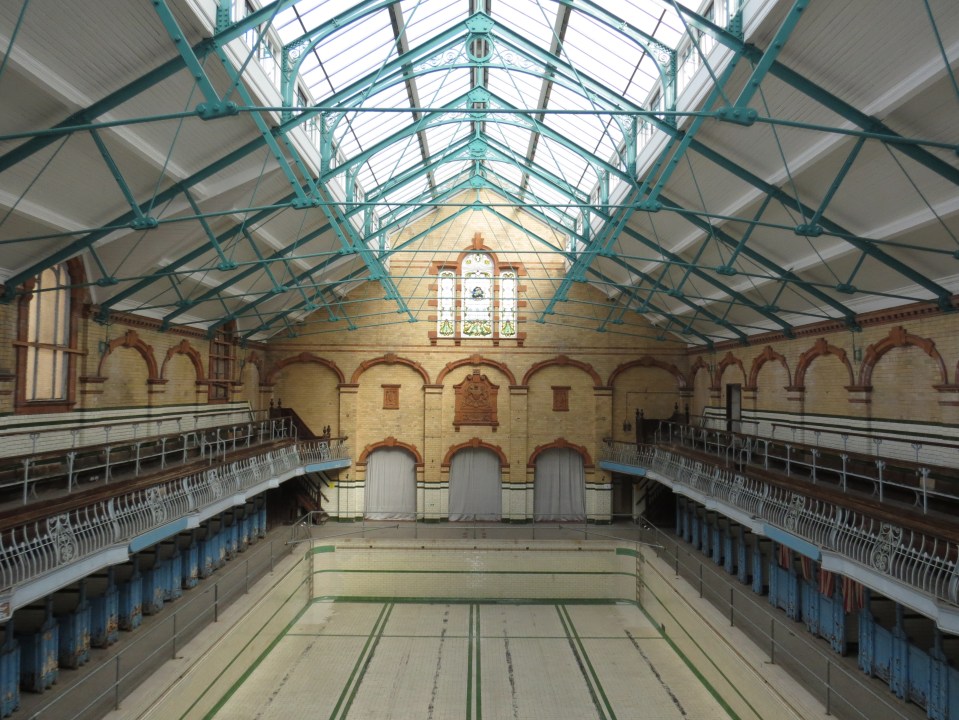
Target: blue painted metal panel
{"points": [[743, 559], [899, 665], [605, 465], [232, 540], [190, 567], [716, 543], [175, 575], [158, 535], [9, 673], [729, 557], [104, 616], [130, 601], [759, 582], [919, 674], [74, 635], [154, 591], [881, 665], [39, 652], [792, 542], [867, 641]]}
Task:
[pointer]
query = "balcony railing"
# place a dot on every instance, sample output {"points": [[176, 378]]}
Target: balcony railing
{"points": [[924, 484], [31, 550], [918, 560], [64, 471]]}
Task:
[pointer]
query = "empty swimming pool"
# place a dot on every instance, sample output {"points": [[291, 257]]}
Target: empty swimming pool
{"points": [[473, 628]]}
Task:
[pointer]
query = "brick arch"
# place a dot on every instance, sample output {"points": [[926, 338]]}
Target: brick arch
{"points": [[563, 444], [130, 339], [390, 442], [254, 359], [303, 357], [700, 364], [729, 360], [390, 359], [649, 361], [476, 443], [820, 348], [184, 348], [767, 355], [474, 360], [899, 337], [563, 361]]}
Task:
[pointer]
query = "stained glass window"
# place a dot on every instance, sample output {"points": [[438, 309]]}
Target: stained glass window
{"points": [[477, 295], [507, 304], [446, 302]]}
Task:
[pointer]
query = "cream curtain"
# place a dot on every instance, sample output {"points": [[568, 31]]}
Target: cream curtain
{"points": [[559, 487], [390, 485], [476, 492]]}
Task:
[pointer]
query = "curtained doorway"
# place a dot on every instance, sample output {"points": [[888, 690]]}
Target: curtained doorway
{"points": [[390, 485], [559, 486], [476, 490]]}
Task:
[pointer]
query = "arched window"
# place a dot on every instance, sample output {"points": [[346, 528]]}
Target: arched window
{"points": [[477, 298], [46, 344]]}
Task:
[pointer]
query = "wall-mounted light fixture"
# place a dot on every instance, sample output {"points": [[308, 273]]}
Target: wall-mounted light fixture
{"points": [[627, 425]]}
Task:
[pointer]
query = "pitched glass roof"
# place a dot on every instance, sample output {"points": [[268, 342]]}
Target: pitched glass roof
{"points": [[513, 63]]}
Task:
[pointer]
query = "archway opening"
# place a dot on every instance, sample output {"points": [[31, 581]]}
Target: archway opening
{"points": [[559, 486], [390, 485], [476, 491]]}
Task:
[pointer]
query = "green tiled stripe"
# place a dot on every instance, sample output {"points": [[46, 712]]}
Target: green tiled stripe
{"points": [[596, 691], [256, 663], [362, 664], [702, 678]]}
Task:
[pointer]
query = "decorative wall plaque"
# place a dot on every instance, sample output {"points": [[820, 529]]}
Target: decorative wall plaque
{"points": [[475, 401], [391, 397]]}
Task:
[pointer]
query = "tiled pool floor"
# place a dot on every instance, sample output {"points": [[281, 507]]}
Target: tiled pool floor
{"points": [[477, 661]]}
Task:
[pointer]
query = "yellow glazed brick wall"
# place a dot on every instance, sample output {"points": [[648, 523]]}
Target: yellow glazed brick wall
{"points": [[311, 390], [906, 384], [526, 419]]}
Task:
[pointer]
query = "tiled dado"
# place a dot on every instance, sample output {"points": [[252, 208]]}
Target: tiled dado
{"points": [[463, 569]]}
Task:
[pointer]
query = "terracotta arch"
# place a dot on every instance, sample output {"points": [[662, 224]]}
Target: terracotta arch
{"points": [[390, 359], [899, 337], [254, 359], [563, 444], [649, 361], [767, 355], [700, 364], [184, 348], [475, 360], [130, 339], [390, 442], [475, 443], [303, 357], [563, 361], [821, 348], [728, 360]]}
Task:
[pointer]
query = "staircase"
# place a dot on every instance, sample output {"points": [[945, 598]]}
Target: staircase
{"points": [[309, 491]]}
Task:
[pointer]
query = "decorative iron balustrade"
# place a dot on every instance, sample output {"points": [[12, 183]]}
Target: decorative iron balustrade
{"points": [[923, 483], [35, 549], [918, 560], [68, 469]]}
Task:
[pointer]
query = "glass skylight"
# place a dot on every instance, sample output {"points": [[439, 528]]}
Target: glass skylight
{"points": [[601, 54]]}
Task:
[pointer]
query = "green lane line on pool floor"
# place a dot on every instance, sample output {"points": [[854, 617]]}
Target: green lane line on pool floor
{"points": [[362, 664], [596, 692]]}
